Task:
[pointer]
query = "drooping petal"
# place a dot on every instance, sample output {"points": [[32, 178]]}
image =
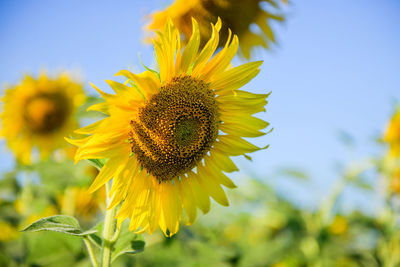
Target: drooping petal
{"points": [[220, 178], [222, 160], [109, 170], [171, 207], [202, 199], [207, 181], [188, 201], [235, 146]]}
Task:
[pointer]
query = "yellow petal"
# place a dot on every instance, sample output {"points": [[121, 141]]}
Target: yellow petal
{"points": [[78, 142], [91, 128], [210, 163], [100, 152], [123, 180], [249, 40], [139, 218], [208, 49], [133, 204], [222, 160], [220, 61], [124, 90], [188, 201], [207, 181], [242, 119], [235, 78], [172, 208], [202, 199], [239, 130], [147, 83], [155, 205], [110, 169], [190, 51], [100, 107], [235, 146]]}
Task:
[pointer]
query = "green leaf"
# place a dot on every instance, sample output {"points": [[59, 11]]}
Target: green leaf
{"points": [[127, 243], [148, 69], [95, 238], [50, 249], [133, 247], [362, 184], [293, 173], [98, 163], [58, 223]]}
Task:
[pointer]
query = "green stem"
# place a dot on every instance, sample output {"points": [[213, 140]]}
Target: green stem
{"points": [[328, 204], [90, 252], [116, 235], [108, 232]]}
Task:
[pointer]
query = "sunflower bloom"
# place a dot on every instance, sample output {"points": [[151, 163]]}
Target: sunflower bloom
{"points": [[237, 15], [169, 135], [38, 113], [8, 232], [77, 202]]}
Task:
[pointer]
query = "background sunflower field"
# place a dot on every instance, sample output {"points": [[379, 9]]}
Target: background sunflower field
{"points": [[325, 192]]}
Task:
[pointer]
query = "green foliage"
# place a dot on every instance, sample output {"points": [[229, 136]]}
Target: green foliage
{"points": [[261, 228], [95, 237], [293, 173], [127, 243], [54, 249], [59, 223], [98, 163]]}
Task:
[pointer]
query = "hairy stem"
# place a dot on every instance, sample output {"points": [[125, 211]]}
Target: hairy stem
{"points": [[108, 232], [90, 252]]}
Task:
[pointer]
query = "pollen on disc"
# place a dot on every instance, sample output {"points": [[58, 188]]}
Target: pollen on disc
{"points": [[176, 128]]}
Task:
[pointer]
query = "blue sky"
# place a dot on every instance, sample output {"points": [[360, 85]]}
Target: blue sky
{"points": [[336, 69]]}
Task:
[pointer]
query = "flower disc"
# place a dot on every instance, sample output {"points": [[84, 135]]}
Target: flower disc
{"points": [[45, 113], [176, 128]]}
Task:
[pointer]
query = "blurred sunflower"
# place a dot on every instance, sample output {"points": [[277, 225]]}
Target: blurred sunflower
{"points": [[163, 135], [339, 225], [77, 202], [8, 232], [392, 135], [47, 211], [394, 181], [237, 15], [38, 113]]}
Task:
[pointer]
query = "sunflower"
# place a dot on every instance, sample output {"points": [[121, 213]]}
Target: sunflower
{"points": [[76, 202], [339, 225], [394, 181], [169, 135], [8, 232], [392, 135], [38, 113], [237, 15]]}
